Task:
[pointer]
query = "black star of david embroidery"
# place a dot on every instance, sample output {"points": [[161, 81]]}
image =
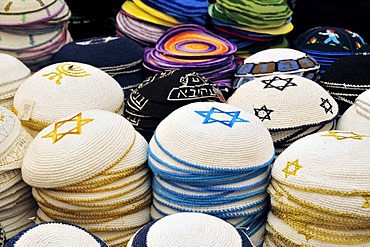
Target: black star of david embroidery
{"points": [[263, 113], [326, 105], [279, 83]]}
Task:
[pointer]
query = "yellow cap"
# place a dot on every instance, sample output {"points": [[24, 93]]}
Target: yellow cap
{"points": [[145, 15]]}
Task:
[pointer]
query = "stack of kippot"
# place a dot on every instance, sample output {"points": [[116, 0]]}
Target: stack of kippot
{"points": [[55, 234], [194, 47], [90, 169], [346, 79], [252, 25], [276, 62], [328, 44], [173, 11], [12, 74], [119, 57], [142, 23], [33, 31], [191, 11], [320, 193], [157, 96], [257, 14], [187, 155], [290, 106], [189, 230], [357, 116], [16, 203], [61, 89]]}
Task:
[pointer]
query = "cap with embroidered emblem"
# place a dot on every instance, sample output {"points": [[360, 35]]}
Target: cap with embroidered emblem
{"points": [[266, 97], [193, 175], [62, 89], [99, 183], [316, 200], [275, 62]]}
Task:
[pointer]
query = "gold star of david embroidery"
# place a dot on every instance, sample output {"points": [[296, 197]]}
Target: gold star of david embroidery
{"points": [[66, 70], [56, 136], [367, 202], [288, 171], [306, 235], [341, 135]]}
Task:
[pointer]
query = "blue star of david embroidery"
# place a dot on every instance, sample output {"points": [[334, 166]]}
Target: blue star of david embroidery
{"points": [[208, 119]]}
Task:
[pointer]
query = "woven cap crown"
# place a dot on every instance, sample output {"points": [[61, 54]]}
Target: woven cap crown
{"points": [[332, 161], [225, 131], [176, 86], [277, 61], [357, 116], [286, 101], [53, 234], [10, 128], [188, 229], [77, 148], [350, 70], [12, 69], [62, 89]]}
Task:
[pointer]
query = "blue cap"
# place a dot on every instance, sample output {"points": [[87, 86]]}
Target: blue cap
{"points": [[120, 57]]}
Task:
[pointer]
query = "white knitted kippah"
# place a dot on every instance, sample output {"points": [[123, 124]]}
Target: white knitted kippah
{"points": [[334, 162], [61, 89], [357, 116], [10, 128], [191, 230], [287, 61], [202, 134], [286, 101], [280, 229], [55, 235], [12, 73], [275, 54], [351, 120], [12, 158], [77, 148]]}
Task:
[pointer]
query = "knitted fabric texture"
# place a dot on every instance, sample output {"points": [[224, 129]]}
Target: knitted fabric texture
{"points": [[193, 176], [317, 208]]}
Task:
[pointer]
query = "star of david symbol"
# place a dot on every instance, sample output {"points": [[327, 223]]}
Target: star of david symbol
{"points": [[56, 136], [279, 83], [208, 119], [288, 169], [367, 202], [263, 113], [306, 235], [326, 105], [341, 135]]}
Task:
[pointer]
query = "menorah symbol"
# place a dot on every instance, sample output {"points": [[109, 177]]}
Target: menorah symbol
{"points": [[66, 70]]}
